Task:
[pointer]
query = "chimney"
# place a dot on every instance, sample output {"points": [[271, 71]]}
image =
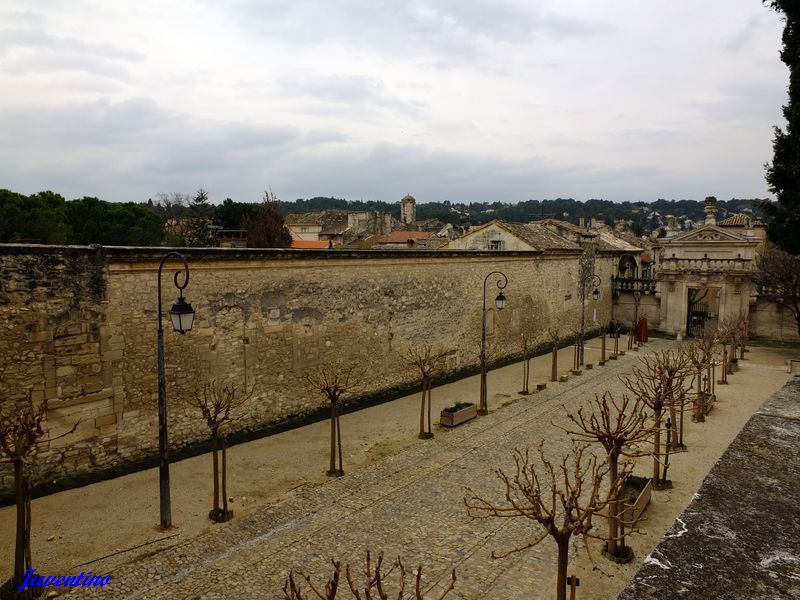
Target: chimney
{"points": [[673, 223], [580, 222], [711, 210]]}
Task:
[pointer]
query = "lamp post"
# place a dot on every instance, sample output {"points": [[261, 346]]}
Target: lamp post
{"points": [[182, 317], [500, 302], [595, 280]]}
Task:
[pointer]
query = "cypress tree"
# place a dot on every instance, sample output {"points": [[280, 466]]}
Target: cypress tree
{"points": [[783, 176]]}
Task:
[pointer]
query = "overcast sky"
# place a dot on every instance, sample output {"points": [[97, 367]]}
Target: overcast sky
{"points": [[461, 100]]}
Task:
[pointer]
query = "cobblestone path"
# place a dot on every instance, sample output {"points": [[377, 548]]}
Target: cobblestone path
{"points": [[409, 504]]}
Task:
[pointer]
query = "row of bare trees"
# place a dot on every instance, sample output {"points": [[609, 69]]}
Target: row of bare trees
{"points": [[565, 495]]}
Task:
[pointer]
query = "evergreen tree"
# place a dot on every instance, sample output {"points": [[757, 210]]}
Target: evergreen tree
{"points": [[783, 176], [266, 229]]}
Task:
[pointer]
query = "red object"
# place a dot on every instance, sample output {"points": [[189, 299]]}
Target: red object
{"points": [[641, 330]]}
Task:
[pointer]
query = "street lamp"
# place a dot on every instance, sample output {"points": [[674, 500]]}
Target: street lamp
{"points": [[499, 302], [594, 280], [182, 317]]}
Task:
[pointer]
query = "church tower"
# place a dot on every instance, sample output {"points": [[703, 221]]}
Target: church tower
{"points": [[408, 210]]}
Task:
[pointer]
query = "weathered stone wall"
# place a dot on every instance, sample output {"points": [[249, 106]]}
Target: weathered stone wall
{"points": [[79, 330], [773, 322]]}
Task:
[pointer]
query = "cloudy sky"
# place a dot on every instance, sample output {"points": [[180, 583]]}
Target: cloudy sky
{"points": [[461, 100]]}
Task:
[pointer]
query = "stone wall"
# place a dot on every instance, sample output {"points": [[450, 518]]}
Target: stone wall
{"points": [[78, 328], [773, 322]]}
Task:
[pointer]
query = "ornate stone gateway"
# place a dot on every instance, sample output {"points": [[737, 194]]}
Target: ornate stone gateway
{"points": [[698, 312]]}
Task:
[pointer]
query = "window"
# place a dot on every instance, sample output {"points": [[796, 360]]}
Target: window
{"points": [[495, 244]]}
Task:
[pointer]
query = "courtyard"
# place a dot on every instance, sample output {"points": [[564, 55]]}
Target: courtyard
{"points": [[401, 495]]}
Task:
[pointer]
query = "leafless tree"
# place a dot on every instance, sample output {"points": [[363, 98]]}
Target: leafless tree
{"points": [[657, 381], [777, 279], [426, 360], [376, 577], [555, 335], [21, 430], [725, 335], [532, 318], [563, 498], [216, 401], [334, 381], [618, 427], [699, 355]]}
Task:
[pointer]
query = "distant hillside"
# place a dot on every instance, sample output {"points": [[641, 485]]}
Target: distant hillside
{"points": [[643, 216]]}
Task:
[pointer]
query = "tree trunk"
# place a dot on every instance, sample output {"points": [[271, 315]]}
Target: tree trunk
{"points": [[422, 408], [656, 442], [603, 347], [699, 412], [554, 367], [724, 377], [563, 563], [430, 433], [224, 480], [332, 470], [215, 450], [613, 507], [526, 367], [22, 542], [339, 441]]}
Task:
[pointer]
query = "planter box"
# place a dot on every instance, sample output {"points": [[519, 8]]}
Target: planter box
{"points": [[635, 498], [450, 417], [733, 367]]}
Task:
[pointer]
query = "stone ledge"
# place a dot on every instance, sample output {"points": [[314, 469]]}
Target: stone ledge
{"points": [[738, 537]]}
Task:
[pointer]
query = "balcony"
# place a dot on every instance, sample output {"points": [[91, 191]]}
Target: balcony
{"points": [[706, 265], [633, 284]]}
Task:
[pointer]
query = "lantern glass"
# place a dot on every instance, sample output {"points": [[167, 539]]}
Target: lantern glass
{"points": [[596, 294], [500, 301], [182, 316]]}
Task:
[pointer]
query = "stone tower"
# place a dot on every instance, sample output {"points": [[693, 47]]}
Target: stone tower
{"points": [[408, 210], [711, 210]]}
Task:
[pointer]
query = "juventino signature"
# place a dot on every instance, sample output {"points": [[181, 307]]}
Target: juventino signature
{"points": [[84, 580]]}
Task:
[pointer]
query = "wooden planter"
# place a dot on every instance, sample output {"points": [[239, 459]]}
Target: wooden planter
{"points": [[733, 367], [635, 498], [450, 417]]}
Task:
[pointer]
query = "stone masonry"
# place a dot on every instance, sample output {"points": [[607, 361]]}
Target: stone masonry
{"points": [[78, 329]]}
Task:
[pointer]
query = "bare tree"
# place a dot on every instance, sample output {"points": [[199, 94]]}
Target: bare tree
{"points": [[657, 381], [374, 583], [777, 279], [21, 431], [617, 427], [555, 335], [532, 317], [699, 355], [426, 360], [334, 381], [725, 335], [216, 401], [563, 498]]}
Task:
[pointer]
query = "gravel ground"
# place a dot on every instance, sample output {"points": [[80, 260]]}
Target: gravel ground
{"points": [[401, 495]]}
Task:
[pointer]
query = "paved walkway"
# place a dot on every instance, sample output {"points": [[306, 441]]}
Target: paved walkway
{"points": [[408, 504]]}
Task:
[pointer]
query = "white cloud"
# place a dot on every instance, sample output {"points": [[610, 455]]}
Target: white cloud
{"points": [[460, 100]]}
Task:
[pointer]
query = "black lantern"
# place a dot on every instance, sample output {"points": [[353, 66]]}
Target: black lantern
{"points": [[596, 294], [500, 301], [182, 316]]}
